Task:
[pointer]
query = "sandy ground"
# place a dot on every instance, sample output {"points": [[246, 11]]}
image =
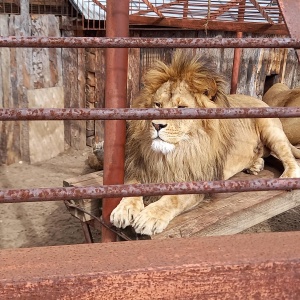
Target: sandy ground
{"points": [[41, 224], [49, 223]]}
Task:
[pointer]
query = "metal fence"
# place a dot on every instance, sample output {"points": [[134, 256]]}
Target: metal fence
{"points": [[227, 267]]}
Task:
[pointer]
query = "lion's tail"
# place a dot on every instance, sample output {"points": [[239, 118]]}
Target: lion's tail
{"points": [[295, 151]]}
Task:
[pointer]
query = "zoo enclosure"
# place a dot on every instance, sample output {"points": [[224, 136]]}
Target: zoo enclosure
{"points": [[112, 190]]}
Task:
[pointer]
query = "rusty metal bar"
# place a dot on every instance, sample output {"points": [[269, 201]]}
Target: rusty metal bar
{"points": [[117, 25], [249, 266], [128, 190], [237, 52], [20, 114], [119, 42], [290, 10], [153, 8]]}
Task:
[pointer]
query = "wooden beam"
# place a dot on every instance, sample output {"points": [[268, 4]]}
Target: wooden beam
{"points": [[290, 10], [264, 28], [248, 266]]}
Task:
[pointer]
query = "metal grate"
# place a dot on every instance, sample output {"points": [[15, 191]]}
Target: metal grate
{"points": [[193, 14], [9, 6]]}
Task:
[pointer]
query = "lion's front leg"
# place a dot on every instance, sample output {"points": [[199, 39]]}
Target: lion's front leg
{"points": [[126, 211], [156, 216], [277, 142]]}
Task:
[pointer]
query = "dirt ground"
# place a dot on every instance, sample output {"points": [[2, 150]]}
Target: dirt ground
{"points": [[49, 223]]}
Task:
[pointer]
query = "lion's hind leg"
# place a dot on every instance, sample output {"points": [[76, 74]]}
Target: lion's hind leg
{"points": [[275, 139], [258, 166]]}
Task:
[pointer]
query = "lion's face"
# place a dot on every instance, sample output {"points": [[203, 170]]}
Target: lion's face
{"points": [[167, 134]]}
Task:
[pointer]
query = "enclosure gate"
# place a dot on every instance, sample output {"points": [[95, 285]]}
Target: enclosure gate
{"points": [[239, 266]]}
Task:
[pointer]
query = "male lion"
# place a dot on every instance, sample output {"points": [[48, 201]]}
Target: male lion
{"points": [[280, 95], [165, 151]]}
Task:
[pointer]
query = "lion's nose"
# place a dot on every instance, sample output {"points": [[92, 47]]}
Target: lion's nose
{"points": [[158, 127]]}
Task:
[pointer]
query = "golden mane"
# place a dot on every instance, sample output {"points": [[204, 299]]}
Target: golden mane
{"points": [[198, 72]]}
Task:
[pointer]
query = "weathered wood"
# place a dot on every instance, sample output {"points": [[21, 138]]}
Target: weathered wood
{"points": [[133, 83], [24, 69], [46, 138], [80, 143], [220, 214], [100, 91], [74, 84], [258, 266], [91, 206]]}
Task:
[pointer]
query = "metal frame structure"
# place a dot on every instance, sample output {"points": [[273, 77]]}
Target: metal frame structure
{"points": [[266, 265]]}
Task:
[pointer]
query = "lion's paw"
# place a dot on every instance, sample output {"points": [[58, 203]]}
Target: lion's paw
{"points": [[152, 220], [257, 167], [127, 210]]}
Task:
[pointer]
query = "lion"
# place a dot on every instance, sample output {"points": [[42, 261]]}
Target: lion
{"points": [[280, 95], [166, 151]]}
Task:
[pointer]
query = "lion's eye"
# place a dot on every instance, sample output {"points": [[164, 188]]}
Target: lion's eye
{"points": [[182, 106], [205, 93], [157, 104]]}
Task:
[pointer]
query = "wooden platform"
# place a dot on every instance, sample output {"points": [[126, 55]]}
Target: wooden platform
{"points": [[219, 214]]}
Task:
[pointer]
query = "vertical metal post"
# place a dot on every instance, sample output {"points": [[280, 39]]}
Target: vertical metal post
{"points": [[117, 25], [237, 53], [290, 10]]}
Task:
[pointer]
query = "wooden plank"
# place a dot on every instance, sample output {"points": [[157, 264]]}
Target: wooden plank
{"points": [[96, 178], [133, 85], [46, 138], [91, 206], [220, 214], [74, 84], [5, 96], [223, 214], [100, 91], [80, 128], [258, 266]]}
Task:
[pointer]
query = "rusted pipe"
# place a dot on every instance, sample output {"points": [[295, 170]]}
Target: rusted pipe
{"points": [[119, 42], [112, 191], [117, 25], [236, 67], [32, 114], [237, 52]]}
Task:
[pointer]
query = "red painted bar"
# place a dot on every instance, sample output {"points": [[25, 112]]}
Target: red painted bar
{"points": [[290, 10], [117, 25], [257, 266]]}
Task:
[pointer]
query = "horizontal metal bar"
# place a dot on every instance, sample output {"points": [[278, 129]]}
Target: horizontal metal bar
{"points": [[244, 266], [114, 191], [103, 42], [18, 114]]}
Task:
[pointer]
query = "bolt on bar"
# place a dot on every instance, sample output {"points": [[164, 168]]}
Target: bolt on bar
{"points": [[122, 42], [18, 114], [128, 190]]}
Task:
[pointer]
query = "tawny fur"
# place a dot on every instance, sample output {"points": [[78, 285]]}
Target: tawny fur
{"points": [[280, 95], [164, 151]]}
